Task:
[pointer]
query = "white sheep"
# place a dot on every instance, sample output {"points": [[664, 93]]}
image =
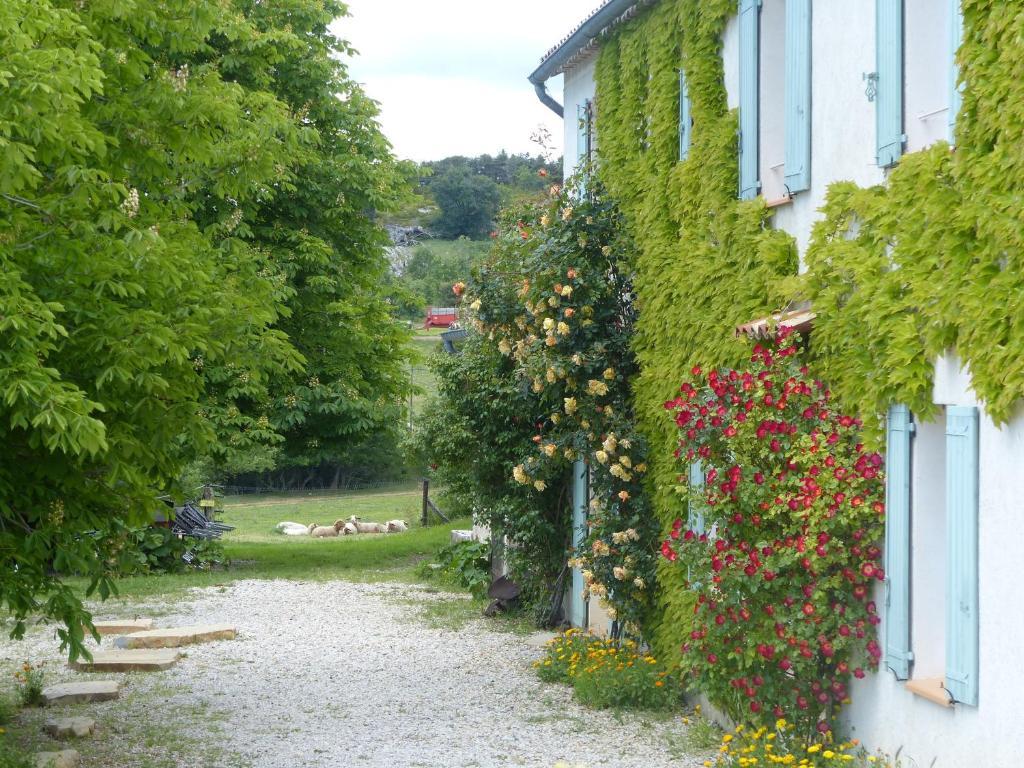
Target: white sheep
{"points": [[324, 531], [397, 526], [367, 527], [292, 529]]}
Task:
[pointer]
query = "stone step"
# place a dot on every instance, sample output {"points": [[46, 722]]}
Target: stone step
{"points": [[70, 727], [175, 638], [66, 758], [75, 693], [128, 661], [123, 626]]}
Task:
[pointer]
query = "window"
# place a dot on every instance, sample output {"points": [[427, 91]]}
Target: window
{"points": [[928, 62], [775, 97], [931, 553], [584, 132], [916, 91], [685, 117]]}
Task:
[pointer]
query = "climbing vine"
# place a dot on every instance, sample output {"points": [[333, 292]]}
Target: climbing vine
{"points": [[932, 261], [566, 328], [705, 262]]}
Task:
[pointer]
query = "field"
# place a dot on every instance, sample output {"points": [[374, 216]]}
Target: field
{"points": [[255, 551], [425, 343]]}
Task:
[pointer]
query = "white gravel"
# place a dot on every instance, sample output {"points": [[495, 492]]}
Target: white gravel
{"points": [[342, 674]]}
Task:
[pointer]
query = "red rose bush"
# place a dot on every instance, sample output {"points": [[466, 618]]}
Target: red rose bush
{"points": [[780, 543]]}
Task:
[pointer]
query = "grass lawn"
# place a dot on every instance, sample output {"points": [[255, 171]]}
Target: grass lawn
{"points": [[425, 343], [257, 552]]}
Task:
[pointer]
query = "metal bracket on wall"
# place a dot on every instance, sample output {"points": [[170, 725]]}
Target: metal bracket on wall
{"points": [[871, 89]]}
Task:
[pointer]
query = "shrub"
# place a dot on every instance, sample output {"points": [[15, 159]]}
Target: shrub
{"points": [[468, 564], [785, 559], [159, 550], [608, 674], [30, 685]]}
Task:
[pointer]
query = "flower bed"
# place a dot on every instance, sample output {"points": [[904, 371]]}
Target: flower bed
{"points": [[780, 744], [608, 674]]}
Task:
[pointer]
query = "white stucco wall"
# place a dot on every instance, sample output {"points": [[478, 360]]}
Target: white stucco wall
{"points": [[884, 714], [578, 87]]}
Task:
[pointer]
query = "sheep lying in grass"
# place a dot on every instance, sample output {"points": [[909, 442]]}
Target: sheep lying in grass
{"points": [[292, 529], [362, 527], [397, 526], [325, 531], [347, 529]]}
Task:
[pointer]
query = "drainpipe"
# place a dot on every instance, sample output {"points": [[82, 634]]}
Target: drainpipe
{"points": [[547, 100], [599, 20]]}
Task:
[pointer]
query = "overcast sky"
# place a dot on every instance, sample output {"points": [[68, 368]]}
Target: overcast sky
{"points": [[450, 75]]}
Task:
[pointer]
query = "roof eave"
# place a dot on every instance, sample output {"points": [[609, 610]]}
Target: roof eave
{"points": [[583, 37]]}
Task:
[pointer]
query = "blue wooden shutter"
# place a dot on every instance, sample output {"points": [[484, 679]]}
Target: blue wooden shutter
{"points": [[956, 37], [897, 541], [696, 510], [685, 119], [750, 33], [889, 66], [798, 95], [577, 605], [962, 554]]}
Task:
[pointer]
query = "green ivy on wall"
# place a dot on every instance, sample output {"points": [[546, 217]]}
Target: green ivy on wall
{"points": [[705, 261], [934, 260]]}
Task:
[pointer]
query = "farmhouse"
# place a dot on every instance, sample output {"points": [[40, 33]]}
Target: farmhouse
{"points": [[868, 133]]}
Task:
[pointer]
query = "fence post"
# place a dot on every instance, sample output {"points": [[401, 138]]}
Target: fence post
{"points": [[426, 499]]}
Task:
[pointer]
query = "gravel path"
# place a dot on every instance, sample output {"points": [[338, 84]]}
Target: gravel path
{"points": [[340, 674]]}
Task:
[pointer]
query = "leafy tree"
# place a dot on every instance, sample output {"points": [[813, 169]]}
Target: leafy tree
{"points": [[170, 269], [468, 204], [324, 248]]}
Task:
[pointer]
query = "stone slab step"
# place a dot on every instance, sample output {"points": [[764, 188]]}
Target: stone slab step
{"points": [[128, 661], [70, 727], [74, 693], [66, 758], [123, 626], [175, 638]]}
